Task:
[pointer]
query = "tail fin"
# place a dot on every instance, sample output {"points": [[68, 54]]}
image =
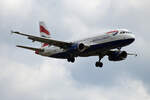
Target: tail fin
{"points": [[44, 32]]}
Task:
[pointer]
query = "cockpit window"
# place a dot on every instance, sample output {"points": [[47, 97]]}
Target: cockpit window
{"points": [[113, 32]]}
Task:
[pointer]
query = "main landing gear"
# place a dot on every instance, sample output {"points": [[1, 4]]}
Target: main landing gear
{"points": [[99, 63], [71, 59]]}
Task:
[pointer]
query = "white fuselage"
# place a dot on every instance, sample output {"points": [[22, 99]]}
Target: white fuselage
{"points": [[97, 44]]}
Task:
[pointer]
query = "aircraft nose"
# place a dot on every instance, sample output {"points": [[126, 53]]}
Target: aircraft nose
{"points": [[132, 37]]}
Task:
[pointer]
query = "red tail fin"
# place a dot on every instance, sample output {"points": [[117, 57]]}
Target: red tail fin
{"points": [[44, 32]]}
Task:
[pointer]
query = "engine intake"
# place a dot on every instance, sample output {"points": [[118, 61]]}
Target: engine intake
{"points": [[81, 47], [76, 48]]}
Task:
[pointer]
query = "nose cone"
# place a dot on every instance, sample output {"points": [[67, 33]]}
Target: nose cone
{"points": [[131, 38]]}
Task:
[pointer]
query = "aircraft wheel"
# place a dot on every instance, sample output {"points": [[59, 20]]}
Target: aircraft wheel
{"points": [[72, 60], [99, 64], [68, 60]]}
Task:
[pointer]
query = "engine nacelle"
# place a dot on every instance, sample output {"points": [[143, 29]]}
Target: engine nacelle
{"points": [[117, 56], [77, 48], [81, 47]]}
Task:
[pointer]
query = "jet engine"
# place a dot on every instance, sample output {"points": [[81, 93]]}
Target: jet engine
{"points": [[76, 48], [81, 47], [117, 56]]}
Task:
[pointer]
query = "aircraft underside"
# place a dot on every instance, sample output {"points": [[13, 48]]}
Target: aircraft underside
{"points": [[95, 50]]}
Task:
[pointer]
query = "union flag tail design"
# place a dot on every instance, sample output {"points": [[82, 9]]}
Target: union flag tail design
{"points": [[44, 32]]}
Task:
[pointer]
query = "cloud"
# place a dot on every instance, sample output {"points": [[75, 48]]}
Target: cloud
{"points": [[16, 8], [142, 47], [24, 75], [86, 8], [52, 80]]}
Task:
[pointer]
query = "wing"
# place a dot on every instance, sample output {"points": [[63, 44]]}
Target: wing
{"points": [[60, 44]]}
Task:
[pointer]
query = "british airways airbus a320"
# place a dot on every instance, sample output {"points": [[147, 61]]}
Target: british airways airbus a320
{"points": [[107, 44]]}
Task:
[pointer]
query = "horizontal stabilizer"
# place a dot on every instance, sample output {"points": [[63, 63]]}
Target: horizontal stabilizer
{"points": [[30, 48]]}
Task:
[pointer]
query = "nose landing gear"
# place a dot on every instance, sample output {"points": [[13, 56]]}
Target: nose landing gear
{"points": [[99, 63]]}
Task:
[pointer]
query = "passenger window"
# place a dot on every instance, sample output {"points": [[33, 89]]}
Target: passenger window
{"points": [[115, 33]]}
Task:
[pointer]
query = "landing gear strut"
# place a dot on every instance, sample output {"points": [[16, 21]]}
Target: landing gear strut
{"points": [[99, 63]]}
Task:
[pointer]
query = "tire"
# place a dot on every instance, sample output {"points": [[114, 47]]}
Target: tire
{"points": [[72, 60], [68, 60], [99, 64]]}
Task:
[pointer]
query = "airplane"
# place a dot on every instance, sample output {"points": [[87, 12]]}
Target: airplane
{"points": [[106, 44]]}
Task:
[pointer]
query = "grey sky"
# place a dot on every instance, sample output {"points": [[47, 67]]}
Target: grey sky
{"points": [[24, 75]]}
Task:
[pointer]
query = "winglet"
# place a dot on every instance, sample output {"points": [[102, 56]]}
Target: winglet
{"points": [[19, 33], [12, 32]]}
